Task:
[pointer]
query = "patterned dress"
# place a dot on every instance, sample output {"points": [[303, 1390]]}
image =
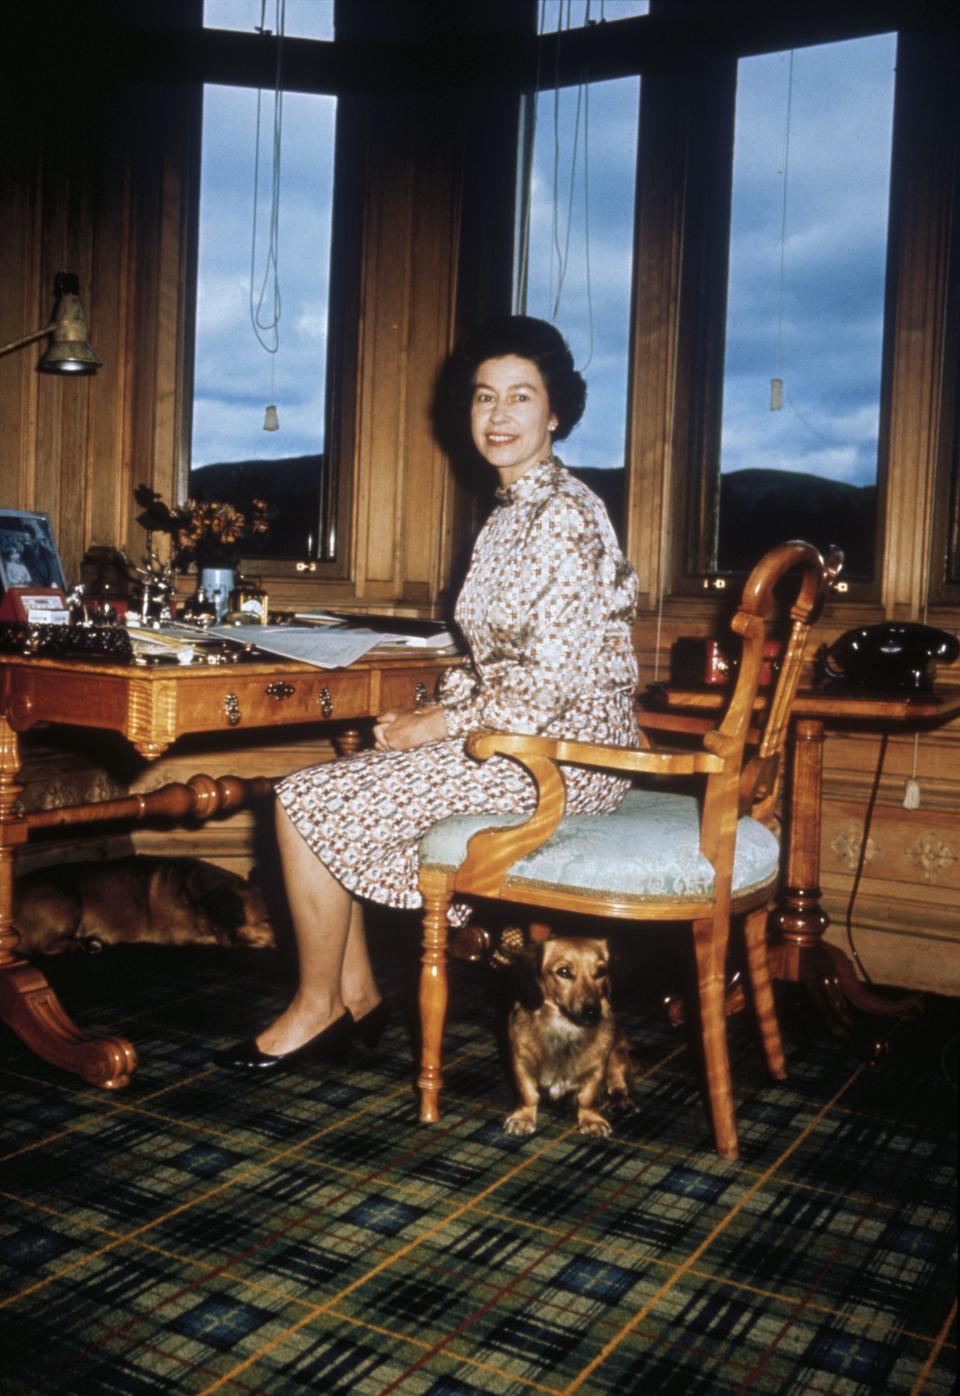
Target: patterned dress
{"points": [[546, 610]]}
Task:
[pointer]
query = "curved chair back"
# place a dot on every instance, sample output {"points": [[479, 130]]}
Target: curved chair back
{"points": [[763, 728]]}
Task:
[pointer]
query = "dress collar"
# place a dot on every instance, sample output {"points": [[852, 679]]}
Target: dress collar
{"points": [[532, 480]]}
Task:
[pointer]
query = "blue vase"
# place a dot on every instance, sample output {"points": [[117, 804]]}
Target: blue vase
{"points": [[217, 584]]}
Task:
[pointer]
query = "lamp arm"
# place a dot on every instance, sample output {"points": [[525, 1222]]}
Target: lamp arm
{"points": [[27, 338]]}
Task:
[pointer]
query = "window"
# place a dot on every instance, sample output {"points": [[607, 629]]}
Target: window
{"points": [[263, 262], [574, 263], [805, 302]]}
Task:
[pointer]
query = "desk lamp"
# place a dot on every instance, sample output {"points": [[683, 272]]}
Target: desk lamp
{"points": [[69, 350]]}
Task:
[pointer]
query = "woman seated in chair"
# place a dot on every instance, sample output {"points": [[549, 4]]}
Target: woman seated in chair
{"points": [[546, 610]]}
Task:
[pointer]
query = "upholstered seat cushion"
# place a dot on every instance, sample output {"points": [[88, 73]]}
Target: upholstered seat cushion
{"points": [[647, 848]]}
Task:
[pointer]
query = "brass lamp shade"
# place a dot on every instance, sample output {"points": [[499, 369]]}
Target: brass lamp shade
{"points": [[69, 350]]}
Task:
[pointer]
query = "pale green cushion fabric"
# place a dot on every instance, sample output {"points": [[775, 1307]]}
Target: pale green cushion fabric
{"points": [[649, 847]]}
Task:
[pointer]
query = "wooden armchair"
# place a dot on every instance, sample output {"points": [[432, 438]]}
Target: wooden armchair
{"points": [[662, 856]]}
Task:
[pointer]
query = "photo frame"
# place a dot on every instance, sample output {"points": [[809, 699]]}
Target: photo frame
{"points": [[28, 553]]}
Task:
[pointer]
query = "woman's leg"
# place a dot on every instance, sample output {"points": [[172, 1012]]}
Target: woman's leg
{"points": [[335, 971]]}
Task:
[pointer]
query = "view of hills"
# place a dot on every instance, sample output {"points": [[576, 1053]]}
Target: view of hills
{"points": [[758, 508], [291, 486]]}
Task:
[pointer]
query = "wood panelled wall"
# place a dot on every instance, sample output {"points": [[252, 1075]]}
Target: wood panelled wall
{"points": [[101, 195], [107, 197]]}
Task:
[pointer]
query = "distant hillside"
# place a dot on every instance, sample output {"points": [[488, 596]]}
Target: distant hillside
{"points": [[291, 486], [759, 508]]}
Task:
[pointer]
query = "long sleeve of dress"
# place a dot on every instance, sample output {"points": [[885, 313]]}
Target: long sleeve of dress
{"points": [[546, 610]]}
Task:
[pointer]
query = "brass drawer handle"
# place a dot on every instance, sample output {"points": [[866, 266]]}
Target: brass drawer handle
{"points": [[325, 699], [280, 690], [231, 709], [420, 696]]}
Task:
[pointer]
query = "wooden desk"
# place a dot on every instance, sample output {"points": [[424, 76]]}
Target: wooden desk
{"points": [[151, 708], [798, 951]]}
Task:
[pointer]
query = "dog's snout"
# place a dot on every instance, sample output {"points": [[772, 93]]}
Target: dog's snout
{"points": [[589, 1014]]}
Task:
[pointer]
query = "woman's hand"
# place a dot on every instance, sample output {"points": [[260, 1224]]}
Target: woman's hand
{"points": [[406, 730]]}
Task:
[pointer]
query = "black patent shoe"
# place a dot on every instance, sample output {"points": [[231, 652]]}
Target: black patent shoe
{"points": [[371, 1026], [330, 1045]]}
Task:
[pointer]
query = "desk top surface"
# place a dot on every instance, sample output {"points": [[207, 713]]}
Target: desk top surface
{"points": [[415, 657]]}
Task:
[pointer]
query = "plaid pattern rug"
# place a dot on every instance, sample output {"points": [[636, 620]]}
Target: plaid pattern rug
{"points": [[199, 1232]]}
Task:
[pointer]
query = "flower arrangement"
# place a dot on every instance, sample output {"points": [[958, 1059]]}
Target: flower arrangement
{"points": [[208, 532]]}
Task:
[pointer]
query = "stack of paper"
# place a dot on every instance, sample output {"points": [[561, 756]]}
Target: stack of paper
{"points": [[307, 644], [405, 631]]}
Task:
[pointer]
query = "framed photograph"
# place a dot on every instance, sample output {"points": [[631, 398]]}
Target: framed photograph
{"points": [[28, 554]]}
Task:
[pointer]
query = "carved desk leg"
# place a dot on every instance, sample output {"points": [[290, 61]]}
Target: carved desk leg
{"points": [[803, 955], [27, 1002]]}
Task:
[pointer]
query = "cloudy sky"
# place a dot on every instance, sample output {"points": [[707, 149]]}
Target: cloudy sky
{"points": [[806, 285]]}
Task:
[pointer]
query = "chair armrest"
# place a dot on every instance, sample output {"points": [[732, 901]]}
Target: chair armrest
{"points": [[673, 722], [610, 758]]}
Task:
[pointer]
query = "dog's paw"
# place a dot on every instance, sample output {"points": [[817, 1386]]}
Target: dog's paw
{"points": [[593, 1123], [620, 1104], [521, 1122], [255, 936]]}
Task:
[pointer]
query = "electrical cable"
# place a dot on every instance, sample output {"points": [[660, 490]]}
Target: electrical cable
{"points": [[862, 856], [267, 327], [564, 255]]}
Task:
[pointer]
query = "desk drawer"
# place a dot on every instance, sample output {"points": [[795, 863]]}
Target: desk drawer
{"points": [[401, 689], [236, 699]]}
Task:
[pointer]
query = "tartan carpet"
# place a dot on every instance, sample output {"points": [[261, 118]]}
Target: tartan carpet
{"points": [[199, 1232]]}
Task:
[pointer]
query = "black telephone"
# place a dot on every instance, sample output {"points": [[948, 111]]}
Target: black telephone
{"points": [[888, 655]]}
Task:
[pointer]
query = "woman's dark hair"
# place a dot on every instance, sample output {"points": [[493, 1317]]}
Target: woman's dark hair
{"points": [[532, 339]]}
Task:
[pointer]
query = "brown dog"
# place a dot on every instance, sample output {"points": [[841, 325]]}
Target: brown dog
{"points": [[570, 1043], [159, 901]]}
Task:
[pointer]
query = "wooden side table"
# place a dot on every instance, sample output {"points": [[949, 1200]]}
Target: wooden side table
{"points": [[151, 708], [799, 953]]}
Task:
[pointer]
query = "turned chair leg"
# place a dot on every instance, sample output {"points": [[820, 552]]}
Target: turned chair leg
{"points": [[433, 997], [758, 968], [710, 945]]}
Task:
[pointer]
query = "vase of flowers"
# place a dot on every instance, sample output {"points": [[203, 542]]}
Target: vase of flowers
{"points": [[209, 533]]}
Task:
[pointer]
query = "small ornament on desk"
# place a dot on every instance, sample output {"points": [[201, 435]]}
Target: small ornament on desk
{"points": [[199, 609], [35, 606], [77, 606], [158, 584], [249, 601], [105, 576]]}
